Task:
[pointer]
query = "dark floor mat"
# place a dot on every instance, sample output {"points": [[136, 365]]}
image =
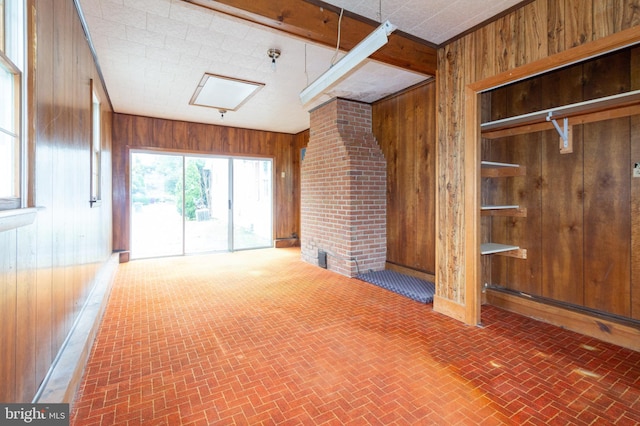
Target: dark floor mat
{"points": [[411, 287]]}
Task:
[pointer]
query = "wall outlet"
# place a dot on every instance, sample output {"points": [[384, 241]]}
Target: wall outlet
{"points": [[636, 170]]}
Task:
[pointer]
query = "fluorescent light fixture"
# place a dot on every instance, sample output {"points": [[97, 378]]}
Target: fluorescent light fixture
{"points": [[223, 93], [340, 69]]}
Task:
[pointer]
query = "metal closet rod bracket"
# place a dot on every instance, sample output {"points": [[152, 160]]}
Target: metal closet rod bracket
{"points": [[566, 143]]}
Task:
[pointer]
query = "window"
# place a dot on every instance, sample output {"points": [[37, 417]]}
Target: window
{"points": [[96, 148], [12, 65]]}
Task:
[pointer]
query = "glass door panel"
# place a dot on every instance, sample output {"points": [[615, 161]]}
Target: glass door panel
{"points": [[206, 204], [252, 203], [156, 205]]}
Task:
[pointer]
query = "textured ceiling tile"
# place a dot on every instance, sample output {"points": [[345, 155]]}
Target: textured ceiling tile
{"points": [[194, 62], [246, 62], [204, 36], [145, 37], [100, 26], [125, 15], [160, 24], [237, 45], [407, 16], [91, 7], [183, 46], [190, 14], [230, 27], [215, 55], [159, 54], [127, 47], [157, 7]]}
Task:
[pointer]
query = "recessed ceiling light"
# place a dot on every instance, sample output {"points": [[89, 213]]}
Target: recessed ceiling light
{"points": [[223, 93]]}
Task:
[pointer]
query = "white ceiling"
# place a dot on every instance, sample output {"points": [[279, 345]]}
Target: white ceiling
{"points": [[153, 54]]}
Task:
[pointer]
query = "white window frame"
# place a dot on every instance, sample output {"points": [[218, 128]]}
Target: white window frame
{"points": [[13, 44]]}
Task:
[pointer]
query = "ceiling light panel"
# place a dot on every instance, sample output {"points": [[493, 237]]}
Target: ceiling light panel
{"points": [[220, 92]]}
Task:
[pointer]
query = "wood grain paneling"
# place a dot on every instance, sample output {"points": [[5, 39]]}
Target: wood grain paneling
{"points": [[404, 126], [8, 317], [578, 22], [634, 64], [635, 220], [47, 268], [562, 204], [607, 217], [136, 132]]}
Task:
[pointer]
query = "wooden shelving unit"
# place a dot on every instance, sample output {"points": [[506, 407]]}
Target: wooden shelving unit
{"points": [[492, 169]]}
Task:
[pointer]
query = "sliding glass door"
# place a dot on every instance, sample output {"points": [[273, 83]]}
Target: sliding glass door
{"points": [[206, 226], [252, 204], [182, 204], [156, 216]]}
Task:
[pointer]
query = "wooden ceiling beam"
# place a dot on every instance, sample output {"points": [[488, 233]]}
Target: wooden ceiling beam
{"points": [[317, 22]]}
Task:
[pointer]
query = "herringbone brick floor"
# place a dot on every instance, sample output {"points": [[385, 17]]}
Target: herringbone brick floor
{"points": [[259, 337]]}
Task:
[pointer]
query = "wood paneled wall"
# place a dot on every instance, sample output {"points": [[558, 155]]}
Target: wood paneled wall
{"points": [[47, 268], [537, 34], [579, 219], [404, 126], [136, 132]]}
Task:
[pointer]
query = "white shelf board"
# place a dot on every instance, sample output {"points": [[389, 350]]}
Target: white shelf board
{"points": [[499, 207], [494, 164], [492, 248]]}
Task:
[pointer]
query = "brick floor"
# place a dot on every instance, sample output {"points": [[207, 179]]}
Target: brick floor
{"points": [[260, 337]]}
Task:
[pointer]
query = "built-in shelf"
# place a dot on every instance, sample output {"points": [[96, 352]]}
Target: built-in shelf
{"points": [[496, 169], [503, 249], [499, 207], [493, 248], [618, 101], [495, 164], [499, 169], [512, 210]]}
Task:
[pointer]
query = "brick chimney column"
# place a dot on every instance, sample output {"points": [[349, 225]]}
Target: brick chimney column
{"points": [[343, 197]]}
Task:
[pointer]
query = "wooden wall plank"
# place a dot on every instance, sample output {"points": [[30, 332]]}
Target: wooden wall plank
{"points": [[44, 116], [407, 174], [426, 171], [535, 30], [562, 210], [506, 43], [608, 14], [634, 66], [8, 319], [526, 231], [484, 49], [555, 26], [635, 219], [607, 217], [578, 22], [26, 305], [404, 126], [629, 12], [450, 256], [123, 133]]}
